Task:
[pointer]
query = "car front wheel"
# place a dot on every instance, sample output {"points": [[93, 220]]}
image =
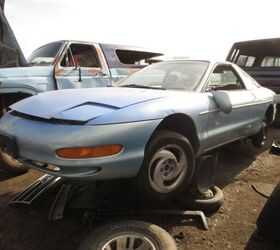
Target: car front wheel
{"points": [[167, 168]]}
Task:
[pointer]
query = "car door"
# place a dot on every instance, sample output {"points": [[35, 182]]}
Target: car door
{"points": [[82, 66], [224, 128]]}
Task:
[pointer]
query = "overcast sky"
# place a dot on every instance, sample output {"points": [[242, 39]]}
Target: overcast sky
{"points": [[198, 28]]}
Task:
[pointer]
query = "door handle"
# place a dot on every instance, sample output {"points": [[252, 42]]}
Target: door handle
{"points": [[100, 74]]}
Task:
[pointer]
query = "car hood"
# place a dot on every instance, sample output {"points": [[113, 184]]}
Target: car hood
{"points": [[35, 71], [83, 104]]}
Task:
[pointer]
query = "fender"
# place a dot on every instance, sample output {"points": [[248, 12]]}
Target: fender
{"points": [[25, 90]]}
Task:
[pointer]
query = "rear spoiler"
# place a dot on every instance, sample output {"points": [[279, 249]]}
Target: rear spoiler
{"points": [[10, 53]]}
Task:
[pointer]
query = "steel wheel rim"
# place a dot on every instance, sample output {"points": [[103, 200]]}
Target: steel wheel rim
{"points": [[129, 241], [168, 168]]}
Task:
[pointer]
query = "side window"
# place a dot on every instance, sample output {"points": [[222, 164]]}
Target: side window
{"points": [[225, 78], [82, 55], [270, 61], [246, 61]]}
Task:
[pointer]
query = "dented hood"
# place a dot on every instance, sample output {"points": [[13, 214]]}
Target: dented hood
{"points": [[83, 104], [10, 52]]}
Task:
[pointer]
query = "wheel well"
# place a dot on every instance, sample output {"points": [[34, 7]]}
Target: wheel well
{"points": [[183, 125], [8, 99], [269, 114]]}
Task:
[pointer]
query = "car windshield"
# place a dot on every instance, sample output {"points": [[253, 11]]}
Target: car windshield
{"points": [[44, 55], [181, 75]]}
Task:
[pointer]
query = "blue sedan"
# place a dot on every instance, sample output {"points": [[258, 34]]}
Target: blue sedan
{"points": [[152, 126]]}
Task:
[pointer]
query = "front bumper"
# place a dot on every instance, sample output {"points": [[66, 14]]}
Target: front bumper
{"points": [[38, 141]]}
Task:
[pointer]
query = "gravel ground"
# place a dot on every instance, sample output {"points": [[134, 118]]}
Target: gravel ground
{"points": [[232, 227]]}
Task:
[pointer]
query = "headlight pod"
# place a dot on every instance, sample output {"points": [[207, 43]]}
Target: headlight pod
{"points": [[89, 152]]}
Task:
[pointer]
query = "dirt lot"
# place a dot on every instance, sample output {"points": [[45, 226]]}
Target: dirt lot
{"points": [[232, 227]]}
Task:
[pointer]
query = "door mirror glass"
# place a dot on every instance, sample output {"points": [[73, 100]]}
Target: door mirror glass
{"points": [[223, 101]]}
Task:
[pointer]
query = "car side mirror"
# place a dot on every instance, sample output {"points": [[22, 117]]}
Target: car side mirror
{"points": [[276, 99], [223, 101]]}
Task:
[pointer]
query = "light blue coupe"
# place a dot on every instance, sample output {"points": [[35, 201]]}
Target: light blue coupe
{"points": [[152, 126]]}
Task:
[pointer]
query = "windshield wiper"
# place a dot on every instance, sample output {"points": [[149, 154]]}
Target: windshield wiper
{"points": [[141, 86]]}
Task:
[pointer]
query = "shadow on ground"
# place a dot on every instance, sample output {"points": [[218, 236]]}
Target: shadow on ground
{"points": [[26, 228], [259, 244], [238, 156], [4, 175]]}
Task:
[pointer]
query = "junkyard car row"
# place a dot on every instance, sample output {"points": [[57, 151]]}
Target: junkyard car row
{"points": [[86, 114]]}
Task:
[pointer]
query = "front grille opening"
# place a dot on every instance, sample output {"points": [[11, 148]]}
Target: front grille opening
{"points": [[45, 165], [52, 120]]}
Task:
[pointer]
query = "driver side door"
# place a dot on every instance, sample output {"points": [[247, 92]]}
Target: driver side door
{"points": [[80, 67], [224, 128]]}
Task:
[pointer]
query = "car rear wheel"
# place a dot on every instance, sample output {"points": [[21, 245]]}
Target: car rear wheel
{"points": [[259, 139], [276, 122], [167, 168], [130, 235]]}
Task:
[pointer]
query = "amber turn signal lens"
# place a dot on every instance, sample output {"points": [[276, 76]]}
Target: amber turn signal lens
{"points": [[89, 152]]}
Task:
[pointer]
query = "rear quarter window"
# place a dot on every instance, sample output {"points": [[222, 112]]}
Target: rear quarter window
{"points": [[250, 83]]}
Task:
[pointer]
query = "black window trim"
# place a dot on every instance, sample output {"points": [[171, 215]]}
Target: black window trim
{"points": [[205, 88], [93, 49]]}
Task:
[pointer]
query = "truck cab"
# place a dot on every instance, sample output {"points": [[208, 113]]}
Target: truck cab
{"points": [[73, 64], [261, 60]]}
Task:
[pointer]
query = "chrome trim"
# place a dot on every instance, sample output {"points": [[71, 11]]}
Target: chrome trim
{"points": [[210, 111], [235, 107], [225, 143], [252, 104]]}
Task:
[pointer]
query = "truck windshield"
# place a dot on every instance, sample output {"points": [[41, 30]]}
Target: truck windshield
{"points": [[44, 55], [176, 75]]}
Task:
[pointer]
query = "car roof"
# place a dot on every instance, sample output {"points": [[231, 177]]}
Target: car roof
{"points": [[107, 45], [210, 61]]}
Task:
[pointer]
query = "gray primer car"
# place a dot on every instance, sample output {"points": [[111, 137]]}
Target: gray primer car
{"points": [[152, 126]]}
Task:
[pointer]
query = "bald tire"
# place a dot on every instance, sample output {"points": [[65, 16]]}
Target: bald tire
{"points": [[101, 236], [7, 163], [10, 165], [206, 205]]}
